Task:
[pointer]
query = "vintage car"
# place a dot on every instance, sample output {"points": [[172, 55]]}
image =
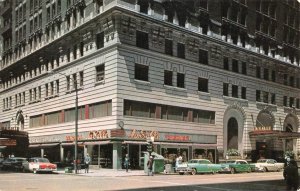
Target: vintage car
{"points": [[38, 164], [265, 165], [233, 166], [13, 163], [195, 166]]}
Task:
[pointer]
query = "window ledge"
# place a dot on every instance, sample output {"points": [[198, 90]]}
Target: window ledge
{"points": [[235, 98], [266, 104], [21, 105], [142, 82], [35, 101], [168, 86], [7, 109], [99, 82], [180, 89], [204, 93], [51, 96]]}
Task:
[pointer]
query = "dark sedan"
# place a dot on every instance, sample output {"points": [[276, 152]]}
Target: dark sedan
{"points": [[13, 163]]}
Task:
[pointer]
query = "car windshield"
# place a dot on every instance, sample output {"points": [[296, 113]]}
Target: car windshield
{"points": [[20, 160], [42, 160]]}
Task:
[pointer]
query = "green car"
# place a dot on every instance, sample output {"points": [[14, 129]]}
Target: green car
{"points": [[202, 166], [234, 166]]}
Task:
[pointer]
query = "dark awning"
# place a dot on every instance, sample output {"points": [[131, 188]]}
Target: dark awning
{"points": [[274, 134]]}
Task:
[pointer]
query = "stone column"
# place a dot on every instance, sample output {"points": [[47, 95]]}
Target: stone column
{"points": [[61, 153], [117, 155]]}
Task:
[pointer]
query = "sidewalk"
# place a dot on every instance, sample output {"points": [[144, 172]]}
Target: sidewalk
{"points": [[105, 173]]}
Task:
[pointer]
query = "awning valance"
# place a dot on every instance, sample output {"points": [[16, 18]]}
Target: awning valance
{"points": [[274, 134], [43, 145], [187, 144]]}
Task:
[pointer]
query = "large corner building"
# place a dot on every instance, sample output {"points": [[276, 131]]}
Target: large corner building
{"points": [[203, 77]]}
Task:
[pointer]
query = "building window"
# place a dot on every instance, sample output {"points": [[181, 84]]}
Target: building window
{"points": [[202, 84], [225, 63], [285, 101], [81, 48], [168, 77], [139, 109], [141, 72], [75, 51], [169, 47], [52, 118], [257, 71], [235, 91], [180, 50], [292, 100], [142, 39], [244, 93], [244, 68], [203, 56], [273, 98], [81, 78], [297, 82], [51, 88], [225, 89], [235, 66], [292, 81], [69, 114], [100, 40], [265, 97], [100, 109], [46, 90], [273, 76], [258, 95], [99, 73], [285, 79], [35, 121], [68, 82], [144, 6], [298, 103], [180, 80], [266, 74], [75, 82]]}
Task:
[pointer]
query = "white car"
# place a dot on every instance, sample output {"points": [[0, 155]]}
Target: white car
{"points": [[265, 165], [38, 164]]}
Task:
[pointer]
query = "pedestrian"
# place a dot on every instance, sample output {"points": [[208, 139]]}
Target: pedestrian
{"points": [[291, 176], [126, 162], [150, 166], [87, 161]]}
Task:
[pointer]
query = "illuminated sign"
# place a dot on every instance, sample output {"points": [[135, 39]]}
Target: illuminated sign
{"points": [[8, 142], [103, 134], [141, 134], [177, 137], [267, 128]]}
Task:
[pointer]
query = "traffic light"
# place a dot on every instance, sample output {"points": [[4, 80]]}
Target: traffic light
{"points": [[149, 147]]}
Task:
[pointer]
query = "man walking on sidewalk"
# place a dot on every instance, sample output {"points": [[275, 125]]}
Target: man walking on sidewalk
{"points": [[87, 161]]}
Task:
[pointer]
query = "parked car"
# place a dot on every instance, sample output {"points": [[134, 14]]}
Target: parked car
{"points": [[264, 165], [195, 166], [234, 166], [38, 164], [13, 163]]}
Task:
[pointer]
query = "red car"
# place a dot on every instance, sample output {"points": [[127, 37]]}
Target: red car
{"points": [[38, 164]]}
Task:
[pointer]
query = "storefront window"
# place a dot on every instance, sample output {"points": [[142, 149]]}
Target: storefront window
{"points": [[101, 155], [204, 154], [170, 154]]}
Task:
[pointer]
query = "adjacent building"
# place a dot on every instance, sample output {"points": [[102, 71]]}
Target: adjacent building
{"points": [[203, 78]]}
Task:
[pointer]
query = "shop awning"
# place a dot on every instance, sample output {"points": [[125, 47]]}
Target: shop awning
{"points": [[71, 143], [97, 143], [136, 142], [274, 134], [43, 145], [187, 144]]}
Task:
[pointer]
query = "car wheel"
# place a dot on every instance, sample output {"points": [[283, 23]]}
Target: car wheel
{"points": [[265, 169], [232, 170], [34, 171], [249, 170], [194, 171]]}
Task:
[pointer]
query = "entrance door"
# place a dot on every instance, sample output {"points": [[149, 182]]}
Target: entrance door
{"points": [[232, 134], [289, 142]]}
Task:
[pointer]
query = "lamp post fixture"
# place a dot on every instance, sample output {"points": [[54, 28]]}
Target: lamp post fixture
{"points": [[76, 119]]}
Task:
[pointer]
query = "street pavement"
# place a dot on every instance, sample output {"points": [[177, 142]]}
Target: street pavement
{"points": [[103, 172]]}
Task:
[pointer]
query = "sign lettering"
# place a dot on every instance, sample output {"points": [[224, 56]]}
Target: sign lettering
{"points": [[177, 137], [141, 134], [98, 134]]}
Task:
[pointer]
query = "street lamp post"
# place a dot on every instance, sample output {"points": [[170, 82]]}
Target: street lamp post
{"points": [[76, 121]]}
